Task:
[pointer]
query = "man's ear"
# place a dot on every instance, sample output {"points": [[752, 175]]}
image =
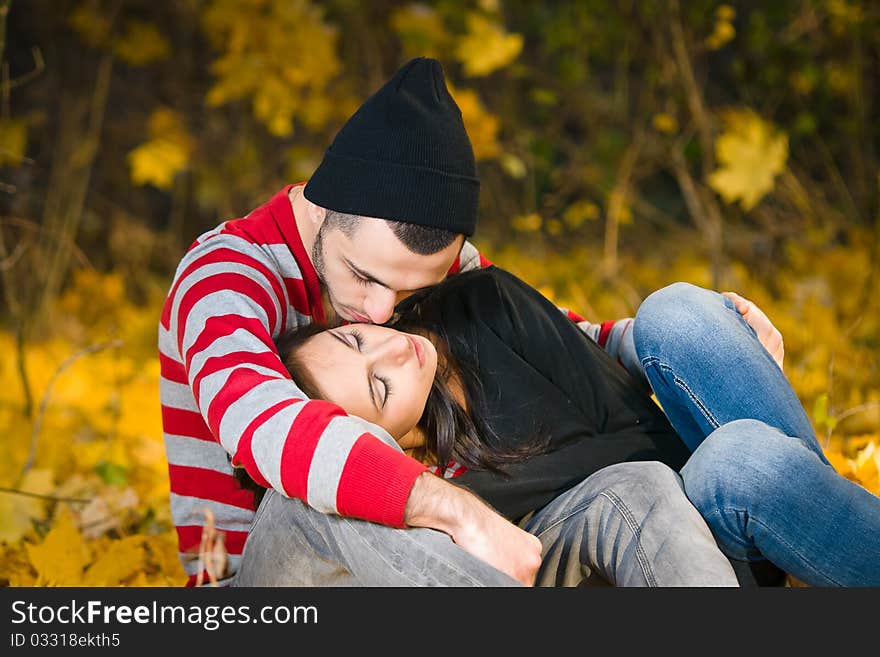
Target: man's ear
{"points": [[316, 214]]}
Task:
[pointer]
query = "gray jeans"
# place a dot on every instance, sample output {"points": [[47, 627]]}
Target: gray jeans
{"points": [[629, 524]]}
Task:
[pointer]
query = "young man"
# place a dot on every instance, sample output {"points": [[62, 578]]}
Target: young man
{"points": [[324, 252]]}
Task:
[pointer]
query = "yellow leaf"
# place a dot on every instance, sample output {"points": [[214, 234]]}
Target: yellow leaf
{"points": [[579, 212], [725, 13], [527, 223], [839, 462], [157, 161], [17, 511], [867, 465], [13, 141], [142, 44], [121, 560], [15, 516], [723, 34], [62, 555], [665, 123], [141, 581], [163, 552], [15, 569], [260, 62], [421, 30], [486, 47], [752, 153], [513, 166], [90, 23], [481, 125]]}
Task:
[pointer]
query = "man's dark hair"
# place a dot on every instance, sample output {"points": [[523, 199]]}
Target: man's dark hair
{"points": [[423, 240]]}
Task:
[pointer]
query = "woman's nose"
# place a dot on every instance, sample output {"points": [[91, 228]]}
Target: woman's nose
{"points": [[396, 350]]}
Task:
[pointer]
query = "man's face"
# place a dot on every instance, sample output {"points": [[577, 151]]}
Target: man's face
{"points": [[368, 273]]}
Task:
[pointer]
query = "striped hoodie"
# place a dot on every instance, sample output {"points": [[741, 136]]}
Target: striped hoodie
{"points": [[227, 399]]}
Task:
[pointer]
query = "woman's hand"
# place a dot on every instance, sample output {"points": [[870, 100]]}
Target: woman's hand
{"points": [[768, 335]]}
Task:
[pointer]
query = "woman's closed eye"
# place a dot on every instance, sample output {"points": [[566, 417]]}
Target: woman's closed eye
{"points": [[387, 386], [358, 339], [358, 343]]}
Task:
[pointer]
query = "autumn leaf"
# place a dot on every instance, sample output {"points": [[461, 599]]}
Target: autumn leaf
{"points": [[482, 126], [866, 467], [527, 223], [90, 23], [163, 553], [724, 30], [18, 511], [839, 462], [486, 47], [61, 556], [120, 560], [665, 123], [579, 212], [105, 512], [421, 30], [752, 153], [157, 161], [259, 61], [142, 44], [513, 166], [13, 141]]}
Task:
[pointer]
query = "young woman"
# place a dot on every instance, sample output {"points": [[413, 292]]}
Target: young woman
{"points": [[539, 421], [484, 374]]}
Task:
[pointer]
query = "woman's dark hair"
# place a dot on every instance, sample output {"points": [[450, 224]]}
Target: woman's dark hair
{"points": [[452, 431]]}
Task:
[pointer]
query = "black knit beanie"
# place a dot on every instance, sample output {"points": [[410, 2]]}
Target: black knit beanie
{"points": [[403, 155]]}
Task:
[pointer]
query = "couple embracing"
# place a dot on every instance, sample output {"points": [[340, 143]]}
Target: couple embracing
{"points": [[363, 399]]}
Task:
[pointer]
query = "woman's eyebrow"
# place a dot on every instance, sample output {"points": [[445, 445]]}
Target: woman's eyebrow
{"points": [[369, 383]]}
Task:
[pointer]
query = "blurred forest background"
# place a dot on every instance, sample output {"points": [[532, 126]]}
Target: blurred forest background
{"points": [[622, 145]]}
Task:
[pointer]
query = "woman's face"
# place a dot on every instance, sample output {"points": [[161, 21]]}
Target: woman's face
{"points": [[377, 373]]}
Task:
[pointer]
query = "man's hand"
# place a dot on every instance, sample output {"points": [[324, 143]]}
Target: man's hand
{"points": [[768, 335], [474, 526]]}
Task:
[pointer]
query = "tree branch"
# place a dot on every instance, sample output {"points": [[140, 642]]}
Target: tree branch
{"points": [[54, 498], [44, 402]]}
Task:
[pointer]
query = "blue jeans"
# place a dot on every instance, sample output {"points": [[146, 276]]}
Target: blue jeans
{"points": [[757, 474]]}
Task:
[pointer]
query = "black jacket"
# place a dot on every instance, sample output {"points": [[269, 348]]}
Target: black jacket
{"points": [[543, 378]]}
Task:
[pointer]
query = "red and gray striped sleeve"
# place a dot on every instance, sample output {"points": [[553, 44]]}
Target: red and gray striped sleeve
{"points": [[227, 303]]}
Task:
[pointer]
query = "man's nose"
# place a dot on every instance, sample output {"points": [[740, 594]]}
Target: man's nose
{"points": [[379, 305]]}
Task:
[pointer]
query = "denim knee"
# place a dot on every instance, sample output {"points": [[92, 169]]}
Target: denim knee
{"points": [[670, 314], [644, 478], [642, 484], [647, 475], [744, 465]]}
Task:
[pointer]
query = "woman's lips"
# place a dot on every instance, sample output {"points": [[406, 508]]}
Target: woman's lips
{"points": [[419, 351]]}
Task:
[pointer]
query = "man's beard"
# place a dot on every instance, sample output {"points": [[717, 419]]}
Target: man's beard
{"points": [[318, 263], [318, 256]]}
